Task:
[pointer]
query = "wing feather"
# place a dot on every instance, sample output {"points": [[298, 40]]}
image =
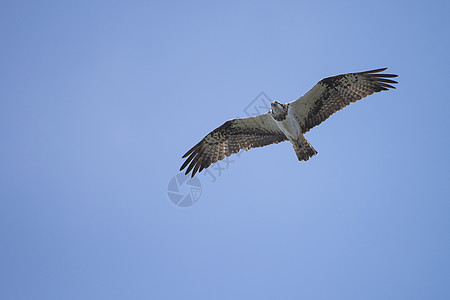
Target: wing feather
{"points": [[332, 94], [233, 136]]}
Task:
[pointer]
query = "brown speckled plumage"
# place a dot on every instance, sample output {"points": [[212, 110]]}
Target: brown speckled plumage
{"points": [[233, 136], [332, 94], [328, 96]]}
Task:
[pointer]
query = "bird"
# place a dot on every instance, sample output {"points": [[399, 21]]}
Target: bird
{"points": [[287, 121]]}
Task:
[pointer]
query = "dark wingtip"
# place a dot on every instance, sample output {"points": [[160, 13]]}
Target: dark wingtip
{"points": [[377, 70], [189, 152], [383, 75], [382, 79], [373, 73]]}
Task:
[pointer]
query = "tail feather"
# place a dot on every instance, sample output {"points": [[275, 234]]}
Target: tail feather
{"points": [[303, 149]]}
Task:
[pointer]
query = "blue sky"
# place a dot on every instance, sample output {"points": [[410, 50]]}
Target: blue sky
{"points": [[100, 99]]}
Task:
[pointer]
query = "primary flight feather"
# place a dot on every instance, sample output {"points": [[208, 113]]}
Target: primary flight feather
{"points": [[287, 121]]}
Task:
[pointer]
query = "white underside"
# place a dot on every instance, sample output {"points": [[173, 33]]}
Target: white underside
{"points": [[289, 127]]}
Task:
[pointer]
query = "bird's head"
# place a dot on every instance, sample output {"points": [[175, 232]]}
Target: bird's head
{"points": [[278, 111]]}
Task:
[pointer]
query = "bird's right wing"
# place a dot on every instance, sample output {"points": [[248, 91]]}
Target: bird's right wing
{"points": [[334, 93], [230, 138]]}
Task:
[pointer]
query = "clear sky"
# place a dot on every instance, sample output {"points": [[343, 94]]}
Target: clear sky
{"points": [[99, 100]]}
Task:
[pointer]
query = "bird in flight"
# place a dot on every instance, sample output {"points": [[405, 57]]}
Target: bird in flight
{"points": [[287, 121]]}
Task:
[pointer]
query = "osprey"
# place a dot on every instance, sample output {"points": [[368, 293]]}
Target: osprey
{"points": [[288, 121]]}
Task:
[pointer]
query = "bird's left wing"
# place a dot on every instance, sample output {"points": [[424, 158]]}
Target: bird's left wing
{"points": [[230, 138], [334, 93]]}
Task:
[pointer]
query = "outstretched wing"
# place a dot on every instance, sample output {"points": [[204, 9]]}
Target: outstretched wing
{"points": [[230, 138], [334, 93]]}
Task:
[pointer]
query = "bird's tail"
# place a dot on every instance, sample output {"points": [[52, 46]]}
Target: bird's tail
{"points": [[303, 149]]}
